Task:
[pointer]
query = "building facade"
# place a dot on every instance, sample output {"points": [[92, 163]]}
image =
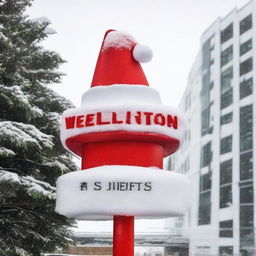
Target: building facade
{"points": [[217, 154]]}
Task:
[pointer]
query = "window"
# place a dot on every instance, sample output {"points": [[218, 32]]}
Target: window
{"points": [[246, 88], [226, 99], [226, 251], [227, 55], [202, 251], [206, 54], [225, 196], [226, 172], [226, 228], [246, 216], [246, 136], [206, 82], [206, 87], [246, 166], [227, 33], [205, 181], [246, 193], [205, 100], [206, 155], [226, 78], [246, 241], [246, 66], [245, 24], [225, 183], [226, 119], [226, 88], [245, 47], [205, 121], [204, 208], [205, 103], [226, 144]]}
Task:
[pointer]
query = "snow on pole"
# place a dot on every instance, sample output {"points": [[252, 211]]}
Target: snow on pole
{"points": [[122, 131]]}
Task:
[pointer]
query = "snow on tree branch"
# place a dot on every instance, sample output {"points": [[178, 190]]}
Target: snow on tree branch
{"points": [[41, 20], [49, 31], [21, 134], [32, 185], [6, 152]]}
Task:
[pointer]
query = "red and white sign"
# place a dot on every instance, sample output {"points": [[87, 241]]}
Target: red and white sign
{"points": [[117, 118], [122, 131], [156, 119]]}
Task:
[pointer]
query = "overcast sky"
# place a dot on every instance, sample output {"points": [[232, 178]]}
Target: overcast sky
{"points": [[172, 28]]}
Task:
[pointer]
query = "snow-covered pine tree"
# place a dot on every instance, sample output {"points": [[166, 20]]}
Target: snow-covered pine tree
{"points": [[31, 155]]}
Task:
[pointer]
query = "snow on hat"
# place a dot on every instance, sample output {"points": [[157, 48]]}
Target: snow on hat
{"points": [[118, 61]]}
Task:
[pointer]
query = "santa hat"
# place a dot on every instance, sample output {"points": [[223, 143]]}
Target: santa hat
{"points": [[118, 61]]}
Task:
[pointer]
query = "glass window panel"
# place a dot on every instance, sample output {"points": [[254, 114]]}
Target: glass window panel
{"points": [[246, 24], [226, 99], [246, 216], [226, 144], [226, 172], [225, 196], [227, 33], [226, 119], [202, 251], [227, 55], [204, 216], [205, 181], [246, 123], [226, 251], [226, 79], [205, 100], [206, 154], [245, 47], [226, 224], [226, 233], [246, 66], [226, 228], [205, 121], [206, 82], [246, 88], [246, 241], [246, 194], [246, 166], [206, 54]]}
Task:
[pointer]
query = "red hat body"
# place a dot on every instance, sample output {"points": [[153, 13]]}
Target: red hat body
{"points": [[116, 65]]}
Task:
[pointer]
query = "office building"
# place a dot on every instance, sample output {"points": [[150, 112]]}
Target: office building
{"points": [[217, 154]]}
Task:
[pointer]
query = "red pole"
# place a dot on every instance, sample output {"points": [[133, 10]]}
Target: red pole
{"points": [[123, 237], [145, 154]]}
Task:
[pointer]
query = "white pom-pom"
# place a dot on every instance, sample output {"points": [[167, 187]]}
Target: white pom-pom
{"points": [[142, 53]]}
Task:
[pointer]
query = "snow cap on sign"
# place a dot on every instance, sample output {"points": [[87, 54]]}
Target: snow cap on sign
{"points": [[118, 61]]}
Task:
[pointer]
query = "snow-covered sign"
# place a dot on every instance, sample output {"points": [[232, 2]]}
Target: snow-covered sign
{"points": [[134, 108], [121, 107], [101, 192]]}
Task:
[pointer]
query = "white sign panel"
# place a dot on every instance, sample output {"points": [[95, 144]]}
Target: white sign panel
{"points": [[101, 192]]}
